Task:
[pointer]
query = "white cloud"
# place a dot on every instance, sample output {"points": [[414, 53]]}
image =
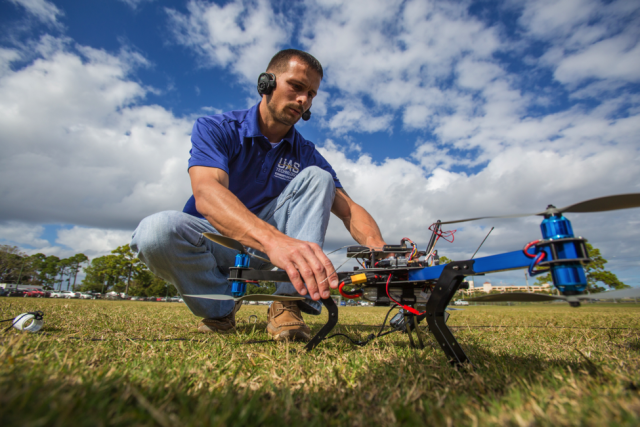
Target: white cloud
{"points": [[354, 116], [93, 241], [242, 35], [18, 233], [552, 19], [45, 11], [590, 39], [77, 147], [613, 58], [135, 4], [369, 46]]}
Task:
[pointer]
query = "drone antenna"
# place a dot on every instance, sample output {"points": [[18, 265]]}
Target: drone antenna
{"points": [[485, 238], [432, 241]]}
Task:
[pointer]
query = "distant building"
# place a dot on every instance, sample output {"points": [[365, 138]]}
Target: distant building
{"points": [[8, 286], [487, 287]]}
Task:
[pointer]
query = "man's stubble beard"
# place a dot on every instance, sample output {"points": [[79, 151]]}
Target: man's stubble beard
{"points": [[280, 116]]}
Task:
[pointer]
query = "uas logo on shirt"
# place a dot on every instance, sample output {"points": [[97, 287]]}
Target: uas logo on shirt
{"points": [[287, 169]]}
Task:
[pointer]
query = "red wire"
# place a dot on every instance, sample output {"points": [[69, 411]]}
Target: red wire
{"points": [[406, 307], [527, 246], [538, 257], [347, 295], [446, 235]]}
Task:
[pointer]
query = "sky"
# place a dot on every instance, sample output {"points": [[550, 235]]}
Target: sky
{"points": [[428, 110]]}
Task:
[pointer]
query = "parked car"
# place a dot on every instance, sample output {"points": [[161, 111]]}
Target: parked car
{"points": [[461, 302], [86, 295], [175, 299], [112, 296], [3, 293], [138, 298], [64, 294], [16, 292], [35, 293]]}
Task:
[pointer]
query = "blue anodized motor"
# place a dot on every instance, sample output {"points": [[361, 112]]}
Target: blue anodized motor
{"points": [[568, 277], [238, 289]]}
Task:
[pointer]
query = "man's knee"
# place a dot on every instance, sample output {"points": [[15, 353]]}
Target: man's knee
{"points": [[318, 178], [155, 234]]}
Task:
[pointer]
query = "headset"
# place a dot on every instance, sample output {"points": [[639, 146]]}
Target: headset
{"points": [[266, 85]]}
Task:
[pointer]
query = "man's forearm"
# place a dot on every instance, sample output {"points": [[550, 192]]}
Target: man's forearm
{"points": [[231, 217], [363, 227]]}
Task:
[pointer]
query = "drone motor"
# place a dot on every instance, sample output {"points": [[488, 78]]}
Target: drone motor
{"points": [[568, 274]]}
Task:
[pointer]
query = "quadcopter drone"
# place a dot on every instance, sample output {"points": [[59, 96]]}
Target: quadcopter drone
{"points": [[395, 274]]}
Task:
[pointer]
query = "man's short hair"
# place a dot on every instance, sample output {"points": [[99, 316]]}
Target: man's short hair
{"points": [[280, 61]]}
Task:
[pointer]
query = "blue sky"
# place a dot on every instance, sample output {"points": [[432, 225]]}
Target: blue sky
{"points": [[428, 110]]}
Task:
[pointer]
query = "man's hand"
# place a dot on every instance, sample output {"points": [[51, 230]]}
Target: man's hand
{"points": [[304, 262]]}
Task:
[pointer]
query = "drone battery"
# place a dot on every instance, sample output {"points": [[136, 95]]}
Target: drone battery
{"points": [[568, 277]]}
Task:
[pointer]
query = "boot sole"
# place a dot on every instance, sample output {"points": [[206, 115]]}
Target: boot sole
{"points": [[290, 335]]}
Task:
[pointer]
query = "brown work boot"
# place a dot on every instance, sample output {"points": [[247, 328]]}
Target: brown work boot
{"points": [[223, 325], [285, 322]]}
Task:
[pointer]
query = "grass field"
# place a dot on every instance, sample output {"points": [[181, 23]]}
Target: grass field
{"points": [[523, 375]]}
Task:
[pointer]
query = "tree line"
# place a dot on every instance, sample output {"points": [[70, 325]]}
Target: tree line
{"points": [[121, 271], [50, 272]]}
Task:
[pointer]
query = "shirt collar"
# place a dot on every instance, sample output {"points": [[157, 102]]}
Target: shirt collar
{"points": [[252, 129]]}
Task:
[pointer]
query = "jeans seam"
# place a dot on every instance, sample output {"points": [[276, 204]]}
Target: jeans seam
{"points": [[286, 224], [279, 205]]}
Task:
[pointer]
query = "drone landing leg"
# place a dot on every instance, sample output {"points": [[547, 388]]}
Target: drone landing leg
{"points": [[446, 287], [418, 333], [331, 323], [407, 322]]}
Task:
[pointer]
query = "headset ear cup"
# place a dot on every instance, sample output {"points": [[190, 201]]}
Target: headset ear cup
{"points": [[306, 115], [266, 83]]}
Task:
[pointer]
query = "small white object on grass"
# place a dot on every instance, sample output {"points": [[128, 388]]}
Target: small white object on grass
{"points": [[27, 322]]}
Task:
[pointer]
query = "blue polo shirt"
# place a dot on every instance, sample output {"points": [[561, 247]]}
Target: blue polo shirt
{"points": [[258, 173]]}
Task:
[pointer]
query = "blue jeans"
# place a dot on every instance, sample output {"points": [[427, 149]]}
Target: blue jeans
{"points": [[171, 243]]}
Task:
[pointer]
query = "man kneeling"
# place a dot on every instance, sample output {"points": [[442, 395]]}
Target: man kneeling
{"points": [[257, 180]]}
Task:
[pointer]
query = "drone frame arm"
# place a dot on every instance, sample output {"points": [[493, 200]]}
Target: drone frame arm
{"points": [[489, 264]]}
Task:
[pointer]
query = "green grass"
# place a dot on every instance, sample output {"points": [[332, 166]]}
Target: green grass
{"points": [[523, 375]]}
